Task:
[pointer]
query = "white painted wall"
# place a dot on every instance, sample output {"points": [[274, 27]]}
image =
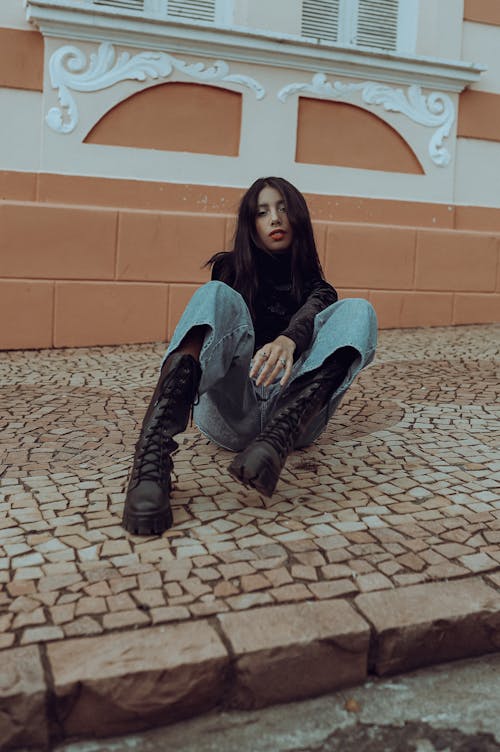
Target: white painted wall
{"points": [[20, 132], [267, 144], [440, 29], [478, 173], [482, 43], [477, 181], [13, 15], [268, 126]]}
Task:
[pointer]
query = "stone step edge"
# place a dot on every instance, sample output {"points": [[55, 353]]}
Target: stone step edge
{"points": [[138, 679]]}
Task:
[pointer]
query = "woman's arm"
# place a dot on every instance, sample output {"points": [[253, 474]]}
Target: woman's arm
{"points": [[301, 326], [279, 355]]}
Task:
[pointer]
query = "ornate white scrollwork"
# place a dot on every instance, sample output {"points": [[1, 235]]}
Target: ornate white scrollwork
{"points": [[69, 72], [433, 111]]}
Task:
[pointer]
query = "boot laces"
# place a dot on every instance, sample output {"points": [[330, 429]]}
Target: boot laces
{"points": [[282, 429], [302, 400], [279, 433], [172, 389], [155, 445], [152, 458]]}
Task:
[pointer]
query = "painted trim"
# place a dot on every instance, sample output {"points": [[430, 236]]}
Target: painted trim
{"points": [[479, 115], [433, 111], [21, 59], [61, 18], [482, 11], [71, 71]]}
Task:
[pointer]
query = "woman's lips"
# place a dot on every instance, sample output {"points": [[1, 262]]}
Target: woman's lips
{"points": [[277, 234]]}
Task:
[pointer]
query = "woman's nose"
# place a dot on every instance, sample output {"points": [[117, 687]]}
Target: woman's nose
{"points": [[275, 217]]}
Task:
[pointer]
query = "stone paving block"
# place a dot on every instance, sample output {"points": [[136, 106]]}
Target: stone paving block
{"points": [[137, 679], [289, 652], [22, 699], [424, 624], [334, 588]]}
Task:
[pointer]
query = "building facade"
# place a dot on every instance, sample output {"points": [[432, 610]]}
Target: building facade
{"points": [[131, 128]]}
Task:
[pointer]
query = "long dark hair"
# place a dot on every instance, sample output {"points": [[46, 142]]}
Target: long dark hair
{"points": [[242, 274]]}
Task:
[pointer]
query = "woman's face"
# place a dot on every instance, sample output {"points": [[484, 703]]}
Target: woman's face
{"points": [[271, 222]]}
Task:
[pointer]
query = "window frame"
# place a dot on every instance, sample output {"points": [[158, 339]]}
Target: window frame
{"points": [[223, 14], [408, 13], [81, 20], [407, 25]]}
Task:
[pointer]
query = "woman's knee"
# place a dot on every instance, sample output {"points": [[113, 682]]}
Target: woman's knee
{"points": [[359, 306], [365, 307], [357, 310], [217, 289], [221, 295]]}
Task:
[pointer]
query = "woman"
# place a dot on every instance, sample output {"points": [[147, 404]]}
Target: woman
{"points": [[264, 352]]}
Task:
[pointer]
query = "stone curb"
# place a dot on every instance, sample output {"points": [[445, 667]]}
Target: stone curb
{"points": [[137, 679], [284, 653], [425, 624]]}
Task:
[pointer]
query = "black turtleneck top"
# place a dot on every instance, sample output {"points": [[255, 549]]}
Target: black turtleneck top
{"points": [[276, 309]]}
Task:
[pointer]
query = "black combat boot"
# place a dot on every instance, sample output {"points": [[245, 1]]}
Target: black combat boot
{"points": [[260, 464], [147, 504]]}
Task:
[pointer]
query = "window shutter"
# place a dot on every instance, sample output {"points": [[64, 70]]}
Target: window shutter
{"points": [[377, 24], [128, 4], [199, 10], [320, 19]]}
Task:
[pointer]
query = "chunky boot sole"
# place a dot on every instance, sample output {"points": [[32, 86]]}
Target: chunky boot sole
{"points": [[147, 508], [256, 468], [148, 524]]}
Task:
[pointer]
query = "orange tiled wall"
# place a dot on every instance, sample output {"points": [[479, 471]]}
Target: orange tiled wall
{"points": [[74, 276]]}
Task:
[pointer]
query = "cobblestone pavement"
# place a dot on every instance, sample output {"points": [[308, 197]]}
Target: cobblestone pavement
{"points": [[402, 489]]}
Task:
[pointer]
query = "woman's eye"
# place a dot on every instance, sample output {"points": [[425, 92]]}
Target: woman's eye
{"points": [[265, 212]]}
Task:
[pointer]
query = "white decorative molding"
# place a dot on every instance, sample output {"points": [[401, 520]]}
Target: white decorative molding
{"points": [[82, 20], [71, 71], [435, 110]]}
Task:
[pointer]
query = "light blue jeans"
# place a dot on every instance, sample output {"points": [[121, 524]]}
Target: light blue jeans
{"points": [[231, 410]]}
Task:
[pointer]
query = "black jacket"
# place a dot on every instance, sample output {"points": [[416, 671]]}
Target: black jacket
{"points": [[276, 309]]}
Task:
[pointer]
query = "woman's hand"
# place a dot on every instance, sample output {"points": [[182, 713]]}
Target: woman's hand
{"points": [[272, 358]]}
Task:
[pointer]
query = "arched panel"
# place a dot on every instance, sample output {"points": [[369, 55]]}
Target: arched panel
{"points": [[186, 117], [336, 133]]}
